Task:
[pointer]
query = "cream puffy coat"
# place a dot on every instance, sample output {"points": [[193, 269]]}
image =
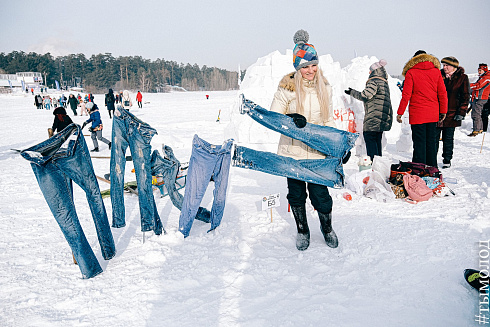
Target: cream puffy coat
{"points": [[284, 102]]}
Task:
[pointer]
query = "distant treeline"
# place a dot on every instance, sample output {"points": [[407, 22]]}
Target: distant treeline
{"points": [[101, 72]]}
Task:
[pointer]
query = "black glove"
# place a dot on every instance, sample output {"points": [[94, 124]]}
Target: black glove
{"points": [[299, 120], [458, 118], [346, 158], [348, 91], [84, 124]]}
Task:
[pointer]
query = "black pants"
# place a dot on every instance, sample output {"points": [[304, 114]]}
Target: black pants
{"points": [[373, 143], [319, 196], [484, 116], [425, 143], [447, 142], [140, 104]]}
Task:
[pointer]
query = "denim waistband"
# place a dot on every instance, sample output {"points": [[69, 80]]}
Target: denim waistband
{"points": [[211, 148], [123, 114], [61, 145]]}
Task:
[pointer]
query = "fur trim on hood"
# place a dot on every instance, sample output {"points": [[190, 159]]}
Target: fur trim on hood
{"points": [[287, 82], [421, 58]]}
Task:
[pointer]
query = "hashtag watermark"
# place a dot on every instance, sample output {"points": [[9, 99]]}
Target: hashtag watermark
{"points": [[483, 316]]}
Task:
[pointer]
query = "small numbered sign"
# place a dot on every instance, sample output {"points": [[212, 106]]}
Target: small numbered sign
{"points": [[270, 201]]}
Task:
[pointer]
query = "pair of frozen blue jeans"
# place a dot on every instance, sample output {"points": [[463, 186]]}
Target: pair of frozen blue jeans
{"points": [[57, 162], [168, 167], [127, 130], [208, 162], [332, 142]]}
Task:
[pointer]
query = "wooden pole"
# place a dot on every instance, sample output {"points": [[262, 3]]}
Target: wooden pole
{"points": [[483, 139], [271, 215]]}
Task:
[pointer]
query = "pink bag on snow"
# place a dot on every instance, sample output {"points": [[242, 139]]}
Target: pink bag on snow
{"points": [[416, 188]]}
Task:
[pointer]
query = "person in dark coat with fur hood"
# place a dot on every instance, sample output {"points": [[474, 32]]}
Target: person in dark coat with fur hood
{"points": [[61, 120], [378, 115], [425, 90], [458, 97]]}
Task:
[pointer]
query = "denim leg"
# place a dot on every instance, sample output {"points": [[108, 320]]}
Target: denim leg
{"points": [[168, 168], [328, 140], [141, 153], [198, 176], [328, 171], [118, 167], [220, 177]]}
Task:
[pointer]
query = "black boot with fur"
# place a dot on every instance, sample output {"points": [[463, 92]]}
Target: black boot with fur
{"points": [[327, 230], [303, 238]]}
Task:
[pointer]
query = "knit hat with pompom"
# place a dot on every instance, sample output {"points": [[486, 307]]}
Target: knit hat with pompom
{"points": [[377, 65], [304, 54]]}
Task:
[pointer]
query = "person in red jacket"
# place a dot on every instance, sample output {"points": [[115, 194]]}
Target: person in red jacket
{"points": [[425, 90], [479, 96], [139, 99]]}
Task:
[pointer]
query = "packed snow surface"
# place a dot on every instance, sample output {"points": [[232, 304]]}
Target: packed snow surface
{"points": [[398, 264]]}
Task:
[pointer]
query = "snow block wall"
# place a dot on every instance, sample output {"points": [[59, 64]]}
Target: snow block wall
{"points": [[262, 79]]}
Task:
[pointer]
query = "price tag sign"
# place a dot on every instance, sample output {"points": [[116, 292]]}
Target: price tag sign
{"points": [[271, 201]]}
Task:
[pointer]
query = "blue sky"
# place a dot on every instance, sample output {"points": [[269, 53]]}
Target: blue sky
{"points": [[229, 33]]}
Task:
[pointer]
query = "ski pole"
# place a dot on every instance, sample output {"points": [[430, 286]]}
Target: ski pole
{"points": [[483, 139]]}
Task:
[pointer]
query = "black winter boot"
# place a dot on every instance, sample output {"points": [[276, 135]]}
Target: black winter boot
{"points": [[95, 150], [303, 238], [327, 230]]}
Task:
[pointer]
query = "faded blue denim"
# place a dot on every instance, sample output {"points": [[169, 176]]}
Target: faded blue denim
{"points": [[168, 167], [57, 162], [332, 142], [207, 162], [128, 130]]}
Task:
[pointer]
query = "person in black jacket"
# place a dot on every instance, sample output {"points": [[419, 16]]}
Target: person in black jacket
{"points": [[61, 120], [109, 102], [73, 102]]}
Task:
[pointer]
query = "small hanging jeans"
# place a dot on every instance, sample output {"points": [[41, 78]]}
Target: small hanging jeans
{"points": [[332, 142], [127, 130], [57, 162], [207, 162]]}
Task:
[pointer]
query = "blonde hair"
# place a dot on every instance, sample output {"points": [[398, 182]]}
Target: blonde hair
{"points": [[320, 85]]}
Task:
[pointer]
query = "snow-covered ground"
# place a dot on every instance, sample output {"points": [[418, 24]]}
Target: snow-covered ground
{"points": [[397, 264]]}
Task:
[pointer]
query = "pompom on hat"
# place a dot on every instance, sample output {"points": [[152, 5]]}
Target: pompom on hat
{"points": [[377, 65], [451, 61], [304, 54]]}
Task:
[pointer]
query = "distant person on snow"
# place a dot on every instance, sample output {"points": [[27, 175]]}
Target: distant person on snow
{"points": [[458, 97], [109, 102], [126, 100], [306, 96], [139, 99], [73, 102], [61, 120], [479, 96], [97, 126], [425, 90], [378, 114]]}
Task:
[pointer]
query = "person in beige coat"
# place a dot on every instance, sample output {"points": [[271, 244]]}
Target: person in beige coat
{"points": [[306, 96]]}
